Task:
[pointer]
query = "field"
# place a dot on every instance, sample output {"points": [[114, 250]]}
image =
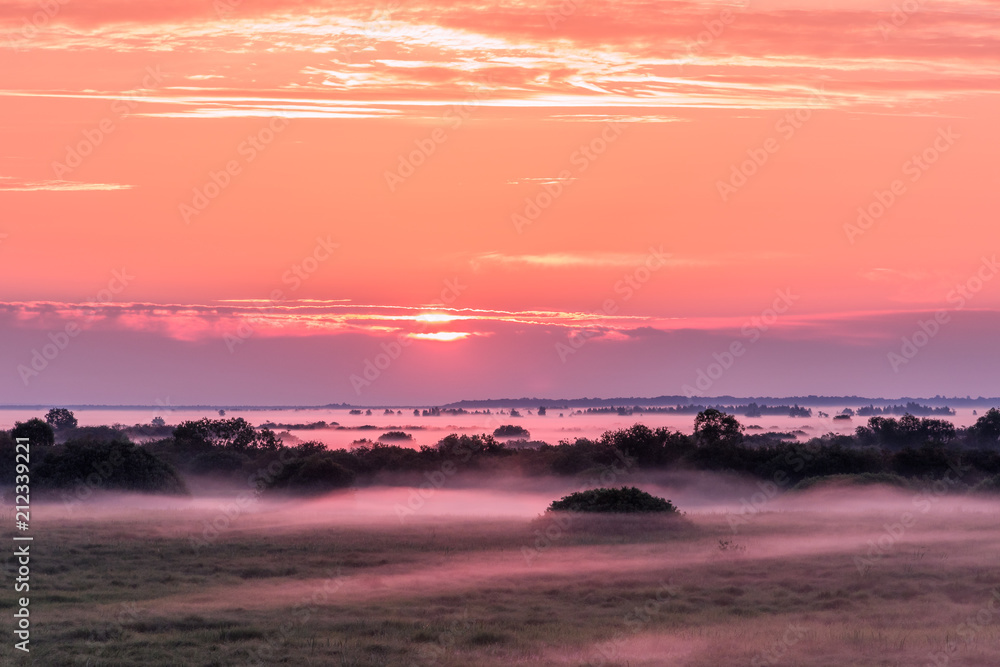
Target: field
{"points": [[860, 577]]}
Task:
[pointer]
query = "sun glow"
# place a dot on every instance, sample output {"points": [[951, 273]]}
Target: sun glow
{"points": [[441, 335], [437, 317]]}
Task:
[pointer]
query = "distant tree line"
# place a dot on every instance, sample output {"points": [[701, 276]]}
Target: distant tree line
{"points": [[749, 410], [911, 408], [103, 458]]}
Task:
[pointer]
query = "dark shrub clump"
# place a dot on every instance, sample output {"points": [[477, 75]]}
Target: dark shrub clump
{"points": [[109, 466], [312, 475], [626, 500]]}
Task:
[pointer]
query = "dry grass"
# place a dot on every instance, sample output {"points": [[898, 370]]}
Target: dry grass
{"points": [[785, 591]]}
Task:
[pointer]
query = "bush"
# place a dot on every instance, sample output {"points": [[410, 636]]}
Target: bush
{"points": [[236, 434], [511, 431], [315, 474], [60, 418], [118, 465], [35, 430], [216, 461], [92, 433], [625, 500], [647, 446], [394, 435]]}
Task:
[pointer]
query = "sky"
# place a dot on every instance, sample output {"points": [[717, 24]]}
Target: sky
{"points": [[299, 202]]}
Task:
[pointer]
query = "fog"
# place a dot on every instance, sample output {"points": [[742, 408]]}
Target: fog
{"points": [[485, 545], [428, 430]]}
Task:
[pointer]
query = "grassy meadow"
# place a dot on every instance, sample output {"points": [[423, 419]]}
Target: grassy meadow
{"points": [[115, 585]]}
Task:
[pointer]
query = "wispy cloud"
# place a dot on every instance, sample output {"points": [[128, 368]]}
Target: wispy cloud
{"points": [[11, 184], [630, 61], [205, 322], [576, 259]]}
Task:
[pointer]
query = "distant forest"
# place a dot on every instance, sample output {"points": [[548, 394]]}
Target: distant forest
{"points": [[72, 462]]}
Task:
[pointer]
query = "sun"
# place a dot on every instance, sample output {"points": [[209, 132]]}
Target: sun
{"points": [[436, 317], [441, 335]]}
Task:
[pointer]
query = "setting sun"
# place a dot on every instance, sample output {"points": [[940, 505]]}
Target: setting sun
{"points": [[441, 335], [438, 317]]}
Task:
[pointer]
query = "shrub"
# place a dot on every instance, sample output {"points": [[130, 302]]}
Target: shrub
{"points": [[216, 461], [117, 465], [59, 418], [236, 434], [395, 435], [624, 500], [315, 474], [511, 431], [35, 430]]}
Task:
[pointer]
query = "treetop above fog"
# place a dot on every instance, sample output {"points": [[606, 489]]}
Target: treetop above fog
{"points": [[624, 500], [236, 434]]}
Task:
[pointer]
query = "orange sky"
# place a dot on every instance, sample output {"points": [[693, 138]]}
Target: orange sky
{"points": [[262, 197]]}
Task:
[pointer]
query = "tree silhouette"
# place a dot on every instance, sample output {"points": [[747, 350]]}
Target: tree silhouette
{"points": [[35, 430], [60, 418], [714, 428]]}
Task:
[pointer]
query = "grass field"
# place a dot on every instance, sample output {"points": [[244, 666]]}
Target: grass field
{"points": [[298, 586]]}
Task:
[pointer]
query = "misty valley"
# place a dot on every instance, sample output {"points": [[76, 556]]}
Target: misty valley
{"points": [[214, 541]]}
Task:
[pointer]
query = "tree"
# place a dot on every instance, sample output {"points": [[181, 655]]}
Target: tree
{"points": [[541, 411], [986, 430], [60, 418], [115, 465], [158, 421], [647, 446], [511, 431], [908, 431], [315, 474], [236, 434], [715, 428], [35, 430]]}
